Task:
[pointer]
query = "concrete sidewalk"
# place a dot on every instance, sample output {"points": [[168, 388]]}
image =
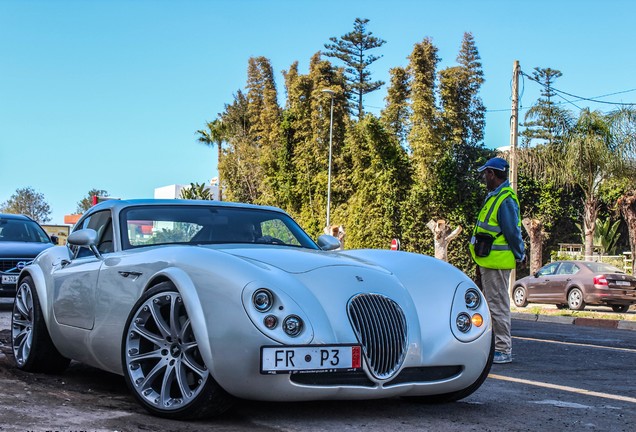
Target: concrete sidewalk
{"points": [[590, 322]]}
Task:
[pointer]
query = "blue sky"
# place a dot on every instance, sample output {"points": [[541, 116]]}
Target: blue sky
{"points": [[109, 94]]}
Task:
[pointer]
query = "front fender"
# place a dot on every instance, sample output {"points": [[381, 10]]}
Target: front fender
{"points": [[193, 306]]}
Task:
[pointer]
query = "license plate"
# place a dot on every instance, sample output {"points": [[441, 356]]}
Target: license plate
{"points": [[290, 359], [9, 279], [623, 283]]}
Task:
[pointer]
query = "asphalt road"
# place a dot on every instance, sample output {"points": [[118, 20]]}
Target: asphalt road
{"points": [[563, 377]]}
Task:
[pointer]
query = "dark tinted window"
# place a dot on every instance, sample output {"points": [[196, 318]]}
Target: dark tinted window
{"points": [[22, 230]]}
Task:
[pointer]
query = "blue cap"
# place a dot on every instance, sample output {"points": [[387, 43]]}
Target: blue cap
{"points": [[496, 163]]}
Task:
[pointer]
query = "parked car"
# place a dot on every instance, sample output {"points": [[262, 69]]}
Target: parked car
{"points": [[21, 240], [198, 302], [575, 284]]}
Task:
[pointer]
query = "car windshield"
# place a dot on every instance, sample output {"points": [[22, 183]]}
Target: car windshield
{"points": [[22, 230], [602, 268], [154, 225]]}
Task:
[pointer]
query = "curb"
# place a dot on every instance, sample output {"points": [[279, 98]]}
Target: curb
{"points": [[588, 322]]}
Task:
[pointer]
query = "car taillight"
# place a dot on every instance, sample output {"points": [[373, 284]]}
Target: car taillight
{"points": [[600, 280]]}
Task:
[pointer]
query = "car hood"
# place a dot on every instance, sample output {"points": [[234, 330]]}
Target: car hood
{"points": [[298, 260], [22, 249]]}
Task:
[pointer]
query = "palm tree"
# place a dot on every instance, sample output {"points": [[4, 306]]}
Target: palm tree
{"points": [[215, 134], [589, 155]]}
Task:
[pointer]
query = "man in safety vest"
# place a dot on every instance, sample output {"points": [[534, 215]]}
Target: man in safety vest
{"points": [[496, 247]]}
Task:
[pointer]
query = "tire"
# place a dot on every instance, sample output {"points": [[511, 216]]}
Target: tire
{"points": [[161, 361], [460, 394], [33, 349], [519, 296], [561, 306], [620, 308], [575, 299]]}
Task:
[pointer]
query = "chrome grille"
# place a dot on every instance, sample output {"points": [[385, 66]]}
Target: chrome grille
{"points": [[380, 327], [10, 265]]}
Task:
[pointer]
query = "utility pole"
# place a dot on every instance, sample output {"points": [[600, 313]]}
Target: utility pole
{"points": [[514, 124], [514, 133]]}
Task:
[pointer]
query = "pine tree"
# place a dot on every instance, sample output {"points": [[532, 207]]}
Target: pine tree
{"points": [[352, 49], [424, 137], [397, 113], [545, 121], [265, 115]]}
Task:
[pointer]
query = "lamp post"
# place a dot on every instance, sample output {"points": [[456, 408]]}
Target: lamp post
{"points": [[331, 93]]}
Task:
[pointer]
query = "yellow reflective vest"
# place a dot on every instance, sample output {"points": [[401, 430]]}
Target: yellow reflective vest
{"points": [[500, 256]]}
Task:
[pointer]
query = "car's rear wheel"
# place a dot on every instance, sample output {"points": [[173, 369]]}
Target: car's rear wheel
{"points": [[33, 349], [575, 299], [622, 308], [460, 394], [162, 363], [519, 296]]}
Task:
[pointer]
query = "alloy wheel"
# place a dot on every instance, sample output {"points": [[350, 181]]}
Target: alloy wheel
{"points": [[162, 355], [22, 323]]}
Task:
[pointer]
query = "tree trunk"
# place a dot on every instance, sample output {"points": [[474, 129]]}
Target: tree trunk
{"points": [[443, 236], [589, 225], [534, 227], [627, 204]]}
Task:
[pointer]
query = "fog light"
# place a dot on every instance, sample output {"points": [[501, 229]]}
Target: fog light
{"points": [[472, 299], [477, 320], [293, 325], [262, 300], [463, 322], [270, 321]]}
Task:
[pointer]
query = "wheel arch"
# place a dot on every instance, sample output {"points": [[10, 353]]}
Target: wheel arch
{"points": [[184, 284], [37, 275]]}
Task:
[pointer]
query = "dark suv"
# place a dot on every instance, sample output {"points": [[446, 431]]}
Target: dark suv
{"points": [[21, 240]]}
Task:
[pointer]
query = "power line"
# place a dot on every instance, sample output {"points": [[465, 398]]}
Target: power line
{"points": [[579, 98]]}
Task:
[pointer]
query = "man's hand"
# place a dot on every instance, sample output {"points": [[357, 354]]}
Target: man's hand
{"points": [[523, 262]]}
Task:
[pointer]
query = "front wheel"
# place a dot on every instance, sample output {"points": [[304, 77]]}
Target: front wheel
{"points": [[33, 349], [162, 363], [520, 297], [575, 299]]}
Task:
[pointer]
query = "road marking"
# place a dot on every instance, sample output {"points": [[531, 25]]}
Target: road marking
{"points": [[564, 388], [631, 350]]}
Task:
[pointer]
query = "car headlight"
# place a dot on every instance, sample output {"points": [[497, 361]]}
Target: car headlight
{"points": [[472, 299], [263, 300], [463, 322], [293, 325], [470, 316], [276, 314]]}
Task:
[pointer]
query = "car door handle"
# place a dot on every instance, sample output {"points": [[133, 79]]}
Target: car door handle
{"points": [[134, 274]]}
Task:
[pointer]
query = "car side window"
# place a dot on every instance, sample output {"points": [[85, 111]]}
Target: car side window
{"points": [[102, 223], [567, 269], [548, 270]]}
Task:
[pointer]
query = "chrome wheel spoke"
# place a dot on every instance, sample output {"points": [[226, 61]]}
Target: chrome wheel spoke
{"points": [[152, 376], [182, 381], [161, 323], [150, 355], [174, 317], [146, 334], [166, 386]]}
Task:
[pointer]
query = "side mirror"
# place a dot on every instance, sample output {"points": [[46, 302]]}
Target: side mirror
{"points": [[55, 240], [537, 274], [86, 237], [327, 242]]}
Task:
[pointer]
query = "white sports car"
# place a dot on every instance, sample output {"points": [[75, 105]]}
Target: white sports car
{"points": [[196, 303]]}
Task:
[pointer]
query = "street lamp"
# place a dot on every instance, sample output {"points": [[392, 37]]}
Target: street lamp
{"points": [[330, 92]]}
